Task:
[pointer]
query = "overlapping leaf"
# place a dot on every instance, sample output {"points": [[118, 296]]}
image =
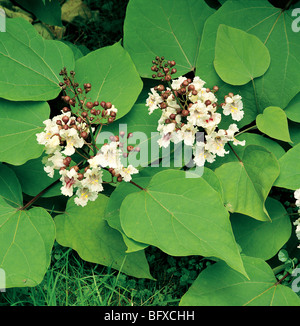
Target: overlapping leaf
{"points": [[219, 285], [263, 239], [273, 122], [85, 230], [112, 75], [273, 27], [20, 122], [246, 184], [181, 216], [26, 236], [29, 64], [165, 28], [239, 56], [289, 177]]}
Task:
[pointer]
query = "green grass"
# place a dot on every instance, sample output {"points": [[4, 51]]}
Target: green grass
{"points": [[70, 281]]}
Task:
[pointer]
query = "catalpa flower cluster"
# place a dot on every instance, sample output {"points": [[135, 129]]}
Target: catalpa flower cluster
{"points": [[188, 108], [66, 134], [62, 136]]}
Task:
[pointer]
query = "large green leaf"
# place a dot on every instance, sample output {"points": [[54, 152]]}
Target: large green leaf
{"points": [[85, 230], [112, 211], [48, 11], [273, 122], [34, 179], [20, 122], [263, 239], [29, 64], [219, 285], [112, 75], [293, 109], [26, 236], [181, 216], [246, 184], [289, 177], [239, 56], [10, 188], [273, 27], [165, 28]]}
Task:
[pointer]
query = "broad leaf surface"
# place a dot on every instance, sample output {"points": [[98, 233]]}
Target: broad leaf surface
{"points": [[26, 236], [34, 179], [247, 184], [20, 122], [219, 285], [112, 75], [165, 28], [239, 56], [273, 122], [273, 27], [182, 217], [263, 239], [85, 230], [29, 64], [289, 177], [293, 109]]}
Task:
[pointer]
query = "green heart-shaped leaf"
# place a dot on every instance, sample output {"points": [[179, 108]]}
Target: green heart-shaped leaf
{"points": [[246, 184], [181, 216], [239, 56], [273, 122]]}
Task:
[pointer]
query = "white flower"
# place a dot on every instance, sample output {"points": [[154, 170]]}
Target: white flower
{"points": [[233, 128], [187, 134], [112, 109], [297, 197], [153, 100], [164, 141], [198, 83], [198, 114], [49, 170], [126, 172], [109, 155], [201, 154], [216, 141], [234, 106], [84, 194], [176, 83], [69, 179], [171, 102], [72, 141], [93, 179]]}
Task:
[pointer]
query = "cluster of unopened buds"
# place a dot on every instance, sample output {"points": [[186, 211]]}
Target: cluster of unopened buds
{"points": [[188, 108], [73, 133]]}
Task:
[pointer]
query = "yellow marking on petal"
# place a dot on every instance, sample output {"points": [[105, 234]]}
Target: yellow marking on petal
{"points": [[233, 108]]}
